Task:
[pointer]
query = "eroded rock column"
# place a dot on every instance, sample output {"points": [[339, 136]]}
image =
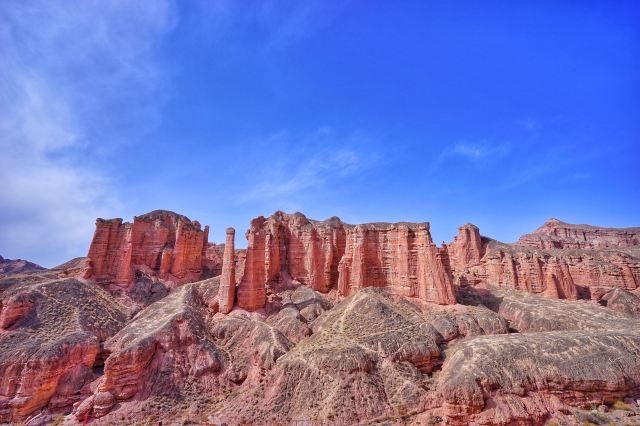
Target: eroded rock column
{"points": [[227, 292], [252, 293]]}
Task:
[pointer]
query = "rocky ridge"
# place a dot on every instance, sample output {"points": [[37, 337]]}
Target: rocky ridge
{"points": [[17, 266], [323, 321]]}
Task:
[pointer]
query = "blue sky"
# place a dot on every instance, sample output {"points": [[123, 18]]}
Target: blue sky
{"points": [[502, 114]]}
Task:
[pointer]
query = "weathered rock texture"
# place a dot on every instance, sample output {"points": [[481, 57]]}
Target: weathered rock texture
{"points": [[523, 378], [467, 247], [332, 255], [566, 354], [555, 234], [558, 260], [212, 260], [369, 357], [177, 349], [324, 323], [163, 243], [50, 343], [17, 266], [227, 290]]}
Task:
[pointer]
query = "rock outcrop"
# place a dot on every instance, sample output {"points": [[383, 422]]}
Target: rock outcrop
{"points": [[400, 256], [621, 300], [51, 336], [368, 358], [558, 260], [177, 349], [466, 250], [161, 243], [332, 255], [555, 234], [227, 292], [565, 354], [524, 378], [17, 266], [324, 322]]}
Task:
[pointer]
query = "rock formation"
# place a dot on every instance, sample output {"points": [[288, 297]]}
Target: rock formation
{"points": [[466, 250], [333, 255], [555, 234], [227, 292], [162, 243], [212, 260], [558, 260], [400, 256], [50, 343], [325, 322], [178, 348], [17, 266], [564, 354]]}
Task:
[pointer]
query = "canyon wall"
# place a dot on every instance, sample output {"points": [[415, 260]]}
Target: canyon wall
{"points": [[558, 260], [555, 234], [160, 243], [326, 255], [400, 256]]}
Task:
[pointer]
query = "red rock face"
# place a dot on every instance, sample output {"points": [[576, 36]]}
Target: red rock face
{"points": [[110, 251], [555, 234], [558, 260], [164, 243], [212, 260], [466, 249], [332, 255], [50, 340], [399, 256], [227, 291]]}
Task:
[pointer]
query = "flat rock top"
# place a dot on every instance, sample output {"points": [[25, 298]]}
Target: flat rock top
{"points": [[556, 224]]}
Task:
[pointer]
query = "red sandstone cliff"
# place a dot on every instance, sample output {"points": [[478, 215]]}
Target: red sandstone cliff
{"points": [[400, 256], [163, 243], [227, 290], [333, 255], [558, 260], [555, 234]]}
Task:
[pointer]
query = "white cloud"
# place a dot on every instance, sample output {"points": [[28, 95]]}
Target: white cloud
{"points": [[64, 66], [476, 153], [325, 157]]}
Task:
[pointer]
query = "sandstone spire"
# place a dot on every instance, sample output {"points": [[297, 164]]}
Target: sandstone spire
{"points": [[227, 292]]}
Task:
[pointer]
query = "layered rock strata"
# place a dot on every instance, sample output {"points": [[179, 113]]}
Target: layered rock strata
{"points": [[178, 349], [51, 336], [558, 260], [555, 234], [163, 243], [333, 255]]}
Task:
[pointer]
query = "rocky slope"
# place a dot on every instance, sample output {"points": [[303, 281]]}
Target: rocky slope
{"points": [[17, 266], [325, 322], [51, 343], [558, 260]]}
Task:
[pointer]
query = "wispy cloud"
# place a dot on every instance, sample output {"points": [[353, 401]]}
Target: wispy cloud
{"points": [[325, 158], [476, 153], [64, 67]]}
